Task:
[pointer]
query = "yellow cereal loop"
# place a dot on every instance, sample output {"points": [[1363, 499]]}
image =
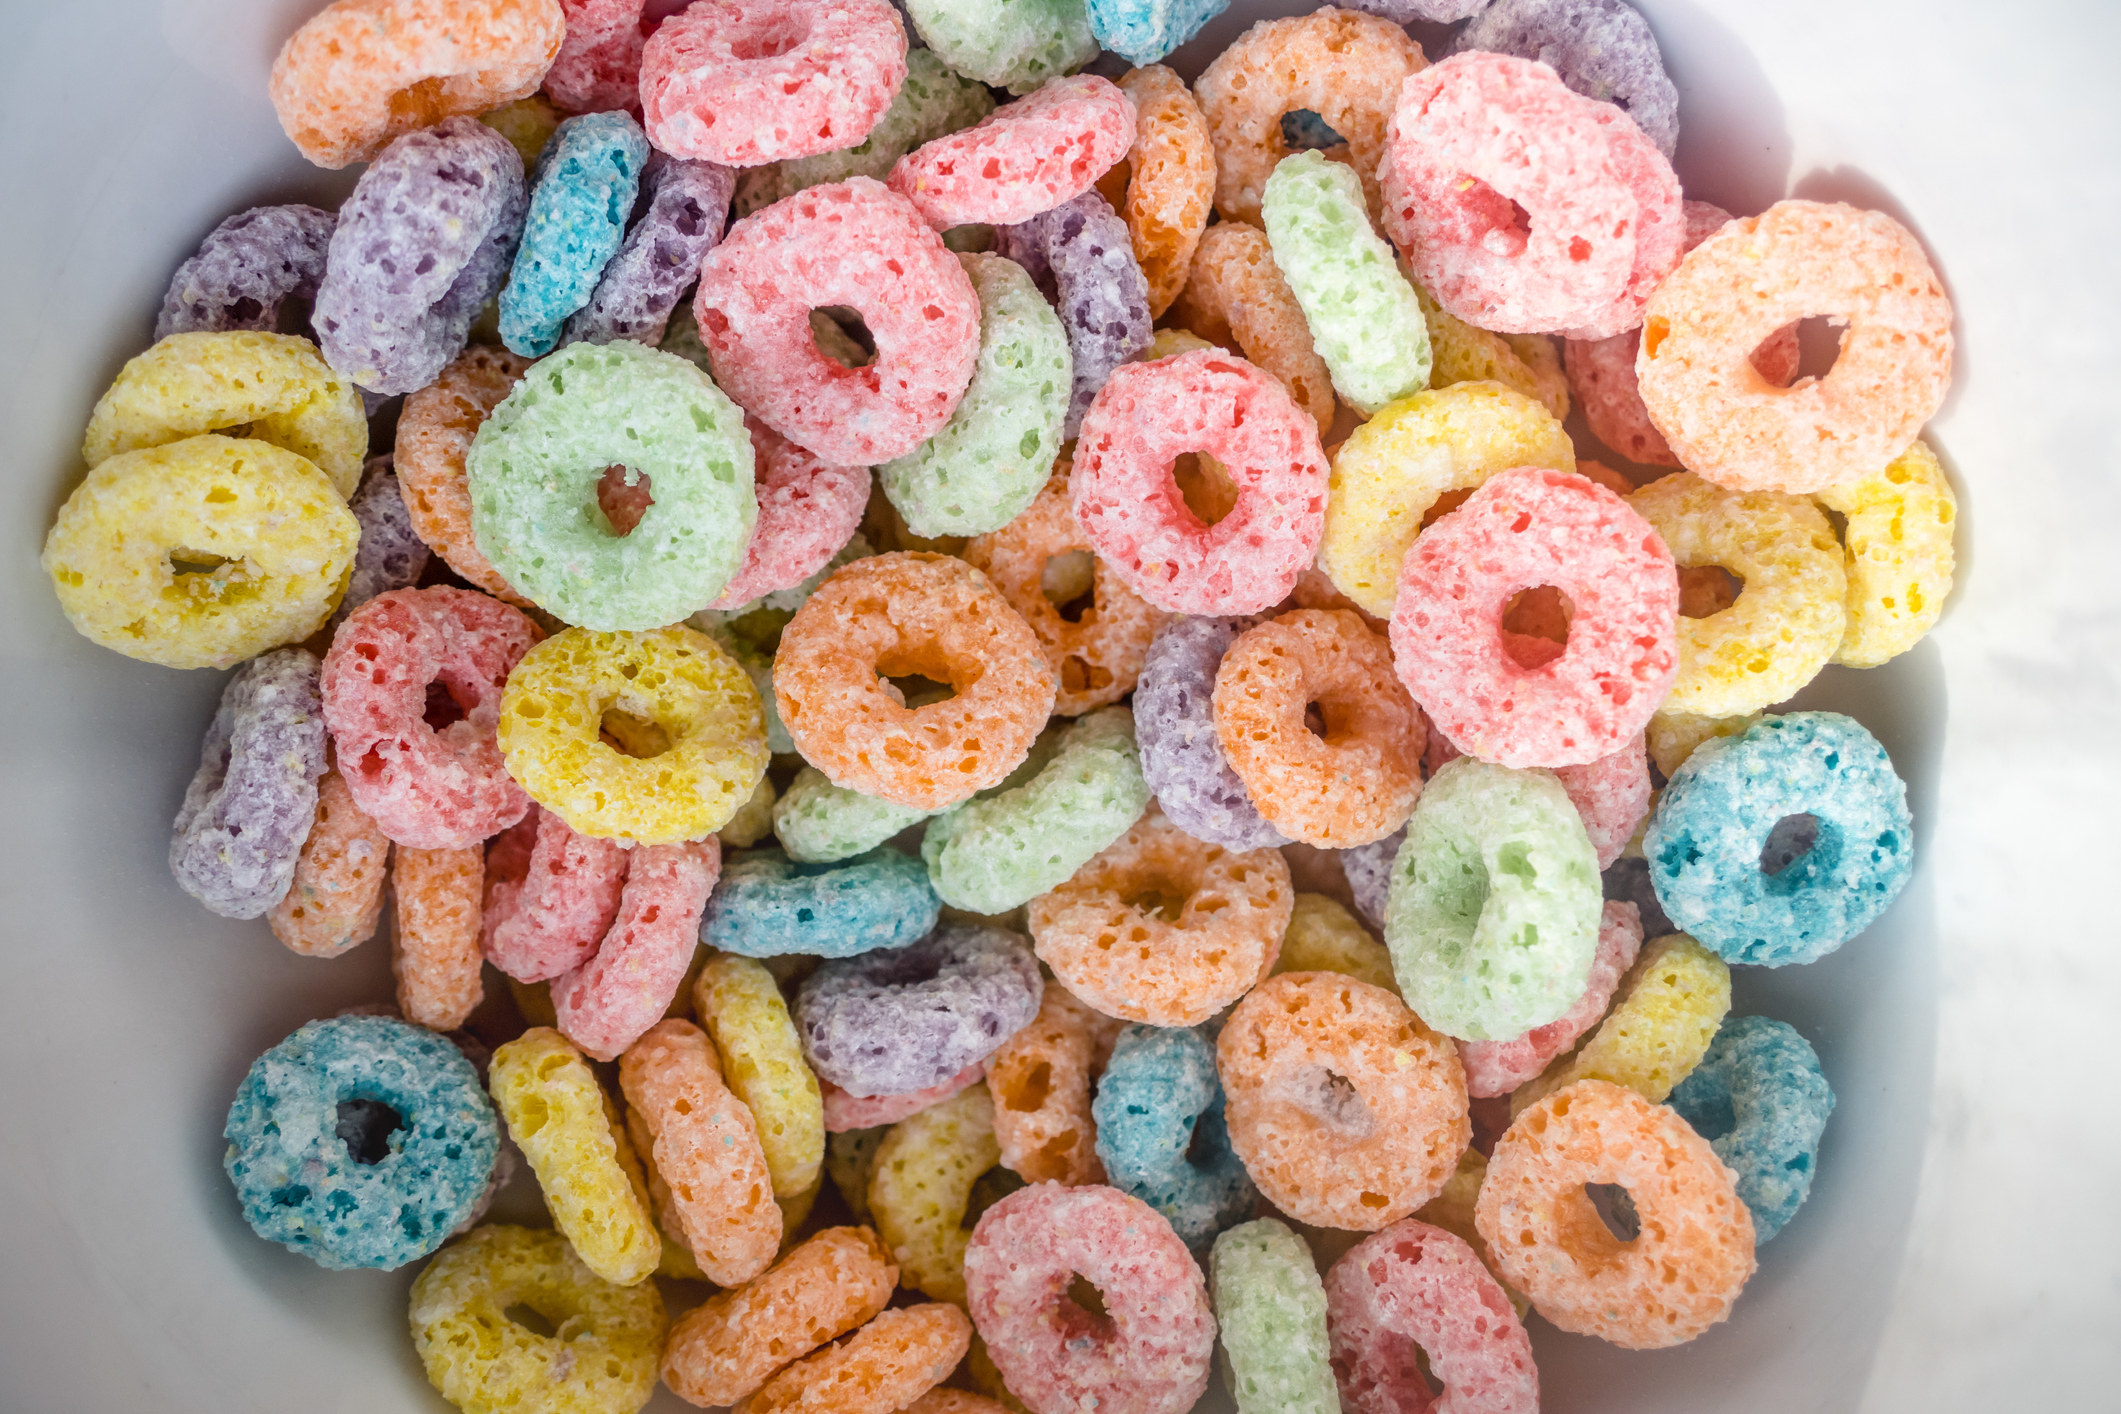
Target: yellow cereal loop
{"points": [[201, 553], [1898, 543], [1673, 736], [601, 1354], [568, 1129], [1459, 353], [1394, 469], [1452, 1210], [272, 387], [1324, 937], [1788, 618], [850, 1161], [740, 1006], [753, 820], [1169, 343], [689, 702], [1669, 1007], [922, 1186]]}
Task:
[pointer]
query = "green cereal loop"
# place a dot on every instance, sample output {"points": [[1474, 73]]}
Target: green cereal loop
{"points": [[931, 103], [1493, 913], [1004, 849], [1365, 318], [534, 468], [993, 457], [1012, 44], [818, 822], [1270, 1307]]}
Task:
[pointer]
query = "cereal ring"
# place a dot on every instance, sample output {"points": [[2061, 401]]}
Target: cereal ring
{"points": [[1270, 1310], [1721, 816], [435, 432], [807, 513], [1523, 528], [770, 906], [445, 202], [564, 1123], [362, 73], [602, 1356], [1414, 1288], [1523, 363], [845, 1112], [688, 202], [550, 904], [435, 955], [855, 244], [606, 1003], [1017, 46], [922, 1185], [1023, 158], [1664, 1014], [1235, 286], [1130, 508], [1150, 1351], [1324, 937], [1724, 420], [740, 1006], [1357, 780], [1612, 794], [1899, 555], [201, 553], [1182, 757], [911, 614], [885, 1023], [1452, 1210], [1082, 250], [1366, 322], [1790, 614], [527, 123], [1144, 31], [249, 807], [1120, 935], [676, 681], [818, 822], [887, 1364], [1602, 49], [1346, 1109], [1170, 180], [360, 1142], [1345, 67], [1674, 736], [427, 788], [1496, 1068], [390, 555], [337, 892], [598, 67], [1495, 902], [1161, 1133], [1694, 1250], [747, 83], [827, 1285], [1040, 1081], [273, 386], [580, 196], [1404, 464], [245, 269], [1762, 1102]]}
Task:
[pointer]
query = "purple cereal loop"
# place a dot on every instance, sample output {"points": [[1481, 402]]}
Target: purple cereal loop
{"points": [[1174, 725], [688, 206], [244, 268], [1081, 254], [249, 807], [1368, 868], [904, 1019], [390, 555], [423, 242]]}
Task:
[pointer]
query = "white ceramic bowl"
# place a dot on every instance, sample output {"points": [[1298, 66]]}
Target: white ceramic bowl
{"points": [[127, 1276]]}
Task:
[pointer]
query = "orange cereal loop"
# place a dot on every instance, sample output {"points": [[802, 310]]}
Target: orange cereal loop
{"points": [[1347, 1111], [886, 1365], [1605, 476], [1345, 67], [1163, 928], [723, 1350], [434, 433], [1170, 179], [363, 72], [677, 1260], [706, 1147], [437, 958], [1097, 656], [912, 615], [1236, 286], [337, 893], [1353, 781], [1692, 1254], [1040, 1080]]}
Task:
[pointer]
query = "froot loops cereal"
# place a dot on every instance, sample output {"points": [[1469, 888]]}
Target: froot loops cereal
{"points": [[640, 964], [1270, 1313], [1181, 751], [335, 897], [1899, 554], [1017, 46], [581, 193], [1601, 48], [769, 905], [1237, 293], [1040, 1082], [1161, 1135], [1170, 174], [1760, 1099], [1023, 158], [436, 428], [246, 268], [1663, 1016], [922, 1183], [1082, 249]]}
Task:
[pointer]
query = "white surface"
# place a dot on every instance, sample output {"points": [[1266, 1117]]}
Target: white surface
{"points": [[1991, 1280]]}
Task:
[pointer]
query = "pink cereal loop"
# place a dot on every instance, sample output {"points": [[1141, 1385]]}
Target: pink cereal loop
{"points": [[547, 910], [807, 511], [605, 1004], [598, 68], [1023, 158], [1497, 1067], [844, 1112]]}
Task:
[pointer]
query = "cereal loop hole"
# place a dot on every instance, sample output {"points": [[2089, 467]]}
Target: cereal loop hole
{"points": [[365, 1127]]}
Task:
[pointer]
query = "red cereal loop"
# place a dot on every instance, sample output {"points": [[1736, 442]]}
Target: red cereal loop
{"points": [[1724, 419], [1612, 794], [436, 954], [907, 614], [1347, 1111], [1134, 515], [844, 1112], [1496, 1068], [886, 1365], [747, 82], [807, 511], [412, 692], [363, 72], [1693, 1253], [1041, 1083], [853, 244], [550, 901], [1023, 158], [1526, 528], [1351, 784], [610, 1000], [598, 68]]}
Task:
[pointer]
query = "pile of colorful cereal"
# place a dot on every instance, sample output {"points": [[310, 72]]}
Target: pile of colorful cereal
{"points": [[973, 676]]}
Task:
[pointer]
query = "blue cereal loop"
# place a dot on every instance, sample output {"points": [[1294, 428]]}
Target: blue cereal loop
{"points": [[1761, 1100], [1144, 31], [1161, 1134], [580, 197], [768, 905]]}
